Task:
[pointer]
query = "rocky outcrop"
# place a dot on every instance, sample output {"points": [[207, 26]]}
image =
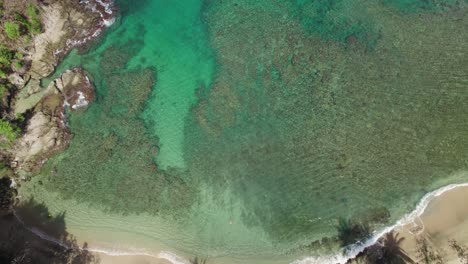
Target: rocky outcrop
{"points": [[47, 132], [75, 88], [67, 24]]}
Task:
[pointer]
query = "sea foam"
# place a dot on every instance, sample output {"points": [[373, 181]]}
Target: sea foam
{"points": [[409, 218]]}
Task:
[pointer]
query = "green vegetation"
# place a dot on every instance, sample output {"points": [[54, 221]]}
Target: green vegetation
{"points": [[3, 74], [3, 89], [19, 55], [12, 30], [6, 56], [34, 24], [20, 118], [18, 65], [21, 24], [8, 131]]}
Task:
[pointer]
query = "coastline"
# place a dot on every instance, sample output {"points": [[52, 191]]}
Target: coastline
{"points": [[41, 111], [444, 219], [441, 212], [404, 225], [432, 201]]}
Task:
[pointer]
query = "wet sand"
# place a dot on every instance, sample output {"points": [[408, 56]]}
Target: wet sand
{"points": [[445, 218]]}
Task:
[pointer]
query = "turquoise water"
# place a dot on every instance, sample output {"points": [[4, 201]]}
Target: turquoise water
{"points": [[247, 128]]}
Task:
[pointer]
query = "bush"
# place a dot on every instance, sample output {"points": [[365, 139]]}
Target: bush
{"points": [[19, 55], [8, 131], [12, 30], [32, 12], [18, 65], [3, 89], [34, 24], [3, 74], [6, 55]]}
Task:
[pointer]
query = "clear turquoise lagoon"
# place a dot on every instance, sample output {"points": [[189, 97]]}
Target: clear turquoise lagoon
{"points": [[245, 129]]}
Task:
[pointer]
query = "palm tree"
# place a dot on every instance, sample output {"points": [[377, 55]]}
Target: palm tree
{"points": [[392, 251]]}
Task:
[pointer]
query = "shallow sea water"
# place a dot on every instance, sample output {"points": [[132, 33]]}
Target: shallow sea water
{"points": [[247, 128]]}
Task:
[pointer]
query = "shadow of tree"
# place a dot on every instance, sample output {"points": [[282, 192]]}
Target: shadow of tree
{"points": [[462, 251], [7, 195], [386, 251], [350, 232], [198, 260], [32, 235], [36, 216], [392, 251], [426, 253]]}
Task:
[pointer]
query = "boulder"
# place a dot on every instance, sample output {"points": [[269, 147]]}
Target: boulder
{"points": [[17, 80]]}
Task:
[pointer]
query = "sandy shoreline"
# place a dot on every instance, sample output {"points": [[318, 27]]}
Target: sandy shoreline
{"points": [[445, 217]]}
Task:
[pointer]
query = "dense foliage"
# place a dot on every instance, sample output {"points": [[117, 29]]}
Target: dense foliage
{"points": [[12, 29], [8, 131]]}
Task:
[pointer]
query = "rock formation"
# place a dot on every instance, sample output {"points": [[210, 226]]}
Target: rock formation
{"points": [[47, 132]]}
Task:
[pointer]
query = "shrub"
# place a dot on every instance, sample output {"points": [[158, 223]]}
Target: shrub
{"points": [[3, 74], [3, 89], [34, 24], [32, 11], [19, 55], [8, 131], [18, 65], [20, 19], [20, 117], [6, 55], [12, 30]]}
